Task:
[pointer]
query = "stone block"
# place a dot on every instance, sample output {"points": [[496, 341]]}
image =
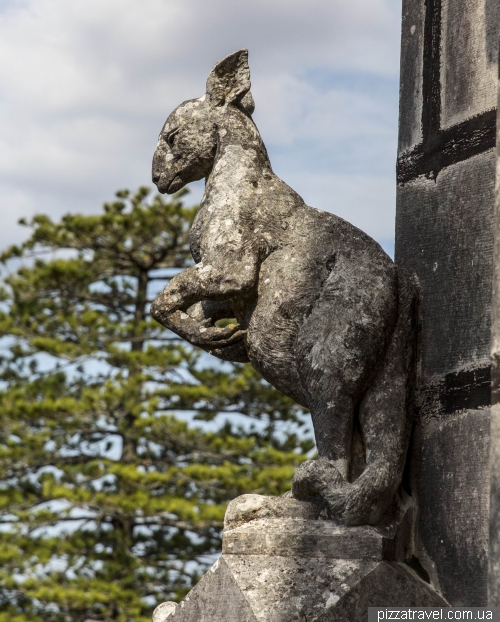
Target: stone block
{"points": [[444, 234], [469, 64], [452, 471], [412, 46], [494, 527], [301, 538], [246, 508], [260, 525], [264, 588], [295, 569]]}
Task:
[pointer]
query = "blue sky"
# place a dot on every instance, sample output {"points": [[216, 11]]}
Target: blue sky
{"points": [[86, 85]]}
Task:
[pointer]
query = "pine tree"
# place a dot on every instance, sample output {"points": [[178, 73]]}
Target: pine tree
{"points": [[120, 445]]}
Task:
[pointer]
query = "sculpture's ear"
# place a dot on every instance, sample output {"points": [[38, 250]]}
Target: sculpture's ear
{"points": [[229, 82]]}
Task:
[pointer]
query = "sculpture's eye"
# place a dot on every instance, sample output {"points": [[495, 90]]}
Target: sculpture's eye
{"points": [[170, 136]]}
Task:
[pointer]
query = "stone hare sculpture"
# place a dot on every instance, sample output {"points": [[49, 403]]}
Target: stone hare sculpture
{"points": [[322, 312]]}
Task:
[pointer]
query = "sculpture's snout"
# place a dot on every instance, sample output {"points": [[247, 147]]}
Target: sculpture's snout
{"points": [[162, 174], [154, 311], [158, 162]]}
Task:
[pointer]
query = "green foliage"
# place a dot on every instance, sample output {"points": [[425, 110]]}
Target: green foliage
{"points": [[120, 445]]}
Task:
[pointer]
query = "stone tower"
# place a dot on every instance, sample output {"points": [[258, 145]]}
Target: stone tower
{"points": [[446, 234]]}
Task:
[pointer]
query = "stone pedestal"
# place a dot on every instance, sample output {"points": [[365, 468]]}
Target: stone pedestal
{"points": [[283, 569]]}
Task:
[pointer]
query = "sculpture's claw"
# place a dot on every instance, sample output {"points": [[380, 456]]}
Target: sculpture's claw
{"points": [[216, 339], [204, 333], [219, 333]]}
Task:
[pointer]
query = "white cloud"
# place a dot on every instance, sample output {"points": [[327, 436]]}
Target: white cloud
{"points": [[85, 86]]}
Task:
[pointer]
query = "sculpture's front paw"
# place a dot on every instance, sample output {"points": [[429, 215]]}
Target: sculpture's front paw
{"points": [[165, 304], [201, 333], [209, 335]]}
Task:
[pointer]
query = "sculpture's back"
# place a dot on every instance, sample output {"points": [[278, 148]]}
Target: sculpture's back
{"points": [[322, 311]]}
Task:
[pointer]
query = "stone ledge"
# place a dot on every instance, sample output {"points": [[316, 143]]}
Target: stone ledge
{"points": [[310, 538], [259, 525]]}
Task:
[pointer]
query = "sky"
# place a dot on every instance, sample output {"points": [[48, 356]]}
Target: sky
{"points": [[86, 85]]}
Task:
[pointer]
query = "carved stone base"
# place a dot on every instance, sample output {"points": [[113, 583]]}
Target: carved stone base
{"points": [[282, 569]]}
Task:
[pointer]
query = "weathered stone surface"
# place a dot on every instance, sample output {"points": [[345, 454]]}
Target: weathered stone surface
{"points": [[469, 67], [163, 611], [285, 569], [321, 310], [494, 526], [453, 489], [494, 514], [444, 232], [251, 507], [216, 598], [294, 588], [412, 56], [260, 525], [445, 235], [259, 588], [310, 538], [246, 508]]}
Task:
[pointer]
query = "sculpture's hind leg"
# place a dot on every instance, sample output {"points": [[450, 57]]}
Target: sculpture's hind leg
{"points": [[386, 417], [338, 349], [385, 422]]}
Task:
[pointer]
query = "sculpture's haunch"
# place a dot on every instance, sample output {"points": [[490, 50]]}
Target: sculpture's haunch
{"points": [[323, 313]]}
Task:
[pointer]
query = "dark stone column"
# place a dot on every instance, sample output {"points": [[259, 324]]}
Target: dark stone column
{"points": [[494, 540], [445, 235]]}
